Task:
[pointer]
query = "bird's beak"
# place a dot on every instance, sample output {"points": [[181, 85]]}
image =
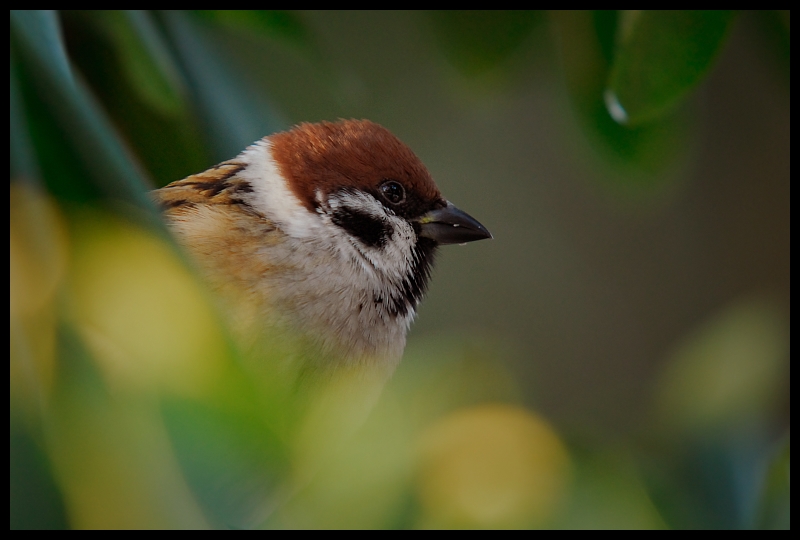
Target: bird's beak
{"points": [[449, 225]]}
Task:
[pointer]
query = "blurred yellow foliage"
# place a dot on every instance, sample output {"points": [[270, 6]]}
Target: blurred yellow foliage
{"points": [[116, 467], [145, 317], [491, 466], [38, 259]]}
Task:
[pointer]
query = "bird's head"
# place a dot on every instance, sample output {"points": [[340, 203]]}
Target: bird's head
{"points": [[334, 224]]}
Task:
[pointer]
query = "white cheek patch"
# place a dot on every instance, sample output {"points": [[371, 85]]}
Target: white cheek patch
{"points": [[392, 259], [272, 196], [334, 261]]}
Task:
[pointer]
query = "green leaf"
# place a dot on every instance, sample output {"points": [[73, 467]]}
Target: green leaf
{"points": [[62, 171], [36, 501], [585, 40], [23, 158], [126, 60], [230, 458], [145, 58], [661, 57], [234, 116], [41, 47], [42, 38]]}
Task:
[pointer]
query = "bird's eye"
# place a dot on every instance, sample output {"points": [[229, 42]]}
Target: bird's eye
{"points": [[393, 192]]}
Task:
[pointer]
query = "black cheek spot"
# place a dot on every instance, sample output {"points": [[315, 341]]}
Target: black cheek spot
{"points": [[370, 230]]}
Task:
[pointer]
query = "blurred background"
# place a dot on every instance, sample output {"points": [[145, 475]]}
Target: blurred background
{"points": [[616, 357]]}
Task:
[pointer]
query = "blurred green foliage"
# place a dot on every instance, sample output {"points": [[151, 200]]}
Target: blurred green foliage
{"points": [[131, 407], [477, 42]]}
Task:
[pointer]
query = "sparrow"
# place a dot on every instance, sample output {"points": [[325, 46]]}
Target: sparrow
{"points": [[326, 232]]}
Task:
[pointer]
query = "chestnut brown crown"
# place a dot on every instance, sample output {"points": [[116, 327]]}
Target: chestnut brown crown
{"points": [[318, 159]]}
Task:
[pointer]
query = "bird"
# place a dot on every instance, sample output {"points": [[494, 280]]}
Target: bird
{"points": [[326, 232]]}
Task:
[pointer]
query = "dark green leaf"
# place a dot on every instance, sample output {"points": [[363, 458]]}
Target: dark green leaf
{"points": [[42, 37], [36, 501], [661, 56], [23, 158], [61, 169], [232, 461], [584, 40], [234, 116], [40, 44], [145, 58], [158, 120]]}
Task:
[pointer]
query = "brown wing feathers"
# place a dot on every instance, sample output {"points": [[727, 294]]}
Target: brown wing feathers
{"points": [[218, 185]]}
